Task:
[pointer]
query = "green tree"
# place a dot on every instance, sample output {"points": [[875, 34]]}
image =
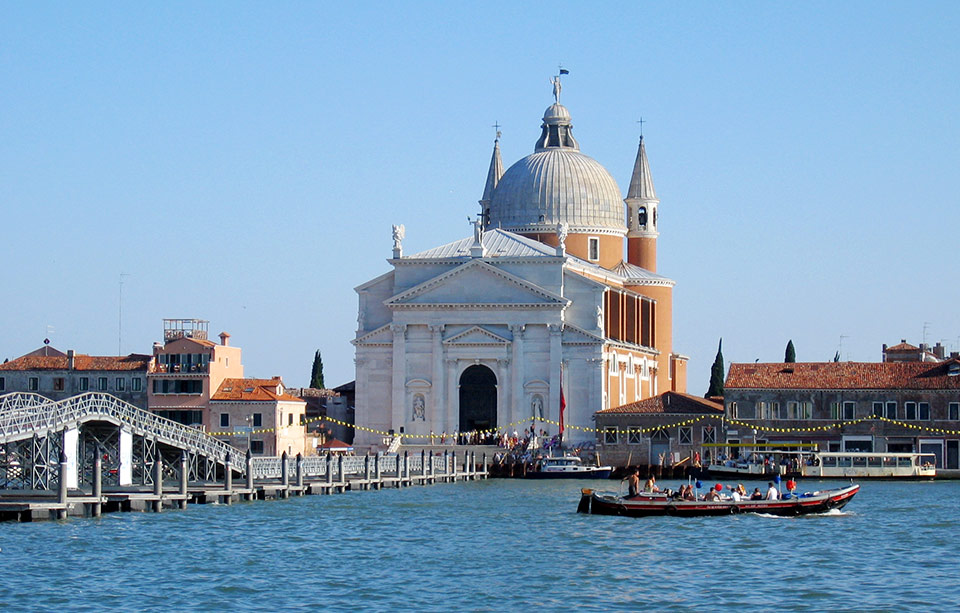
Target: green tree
{"points": [[316, 373], [717, 373], [791, 353]]}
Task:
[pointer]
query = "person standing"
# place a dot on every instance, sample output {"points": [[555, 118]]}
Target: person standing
{"points": [[772, 493], [633, 483]]}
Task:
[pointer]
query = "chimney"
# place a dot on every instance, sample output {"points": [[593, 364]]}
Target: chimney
{"points": [[71, 361], [940, 351], [224, 339]]}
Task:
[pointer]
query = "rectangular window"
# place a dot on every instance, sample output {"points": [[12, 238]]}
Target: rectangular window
{"points": [[102, 384], [709, 434], [732, 410], [121, 384], [910, 411], [3, 384], [610, 435], [256, 447], [775, 410], [593, 249], [257, 420], [878, 409], [761, 409], [136, 384], [923, 411], [953, 414], [834, 410], [84, 384], [634, 435], [58, 384], [224, 420], [891, 410], [33, 384], [685, 435], [290, 419], [849, 410], [793, 409]]}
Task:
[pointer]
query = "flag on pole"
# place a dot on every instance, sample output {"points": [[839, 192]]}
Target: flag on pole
{"points": [[564, 71], [563, 405]]}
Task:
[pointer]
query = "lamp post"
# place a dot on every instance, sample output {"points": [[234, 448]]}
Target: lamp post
{"points": [[249, 420]]}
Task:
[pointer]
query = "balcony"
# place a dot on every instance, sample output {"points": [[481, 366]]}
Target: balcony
{"points": [[180, 369]]}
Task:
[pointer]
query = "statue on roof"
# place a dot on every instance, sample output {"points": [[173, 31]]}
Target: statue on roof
{"points": [[399, 232], [556, 88]]}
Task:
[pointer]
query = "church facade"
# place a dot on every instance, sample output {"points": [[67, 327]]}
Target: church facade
{"points": [[554, 299]]}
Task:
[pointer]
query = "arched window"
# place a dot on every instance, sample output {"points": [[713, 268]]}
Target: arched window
{"points": [[642, 217]]}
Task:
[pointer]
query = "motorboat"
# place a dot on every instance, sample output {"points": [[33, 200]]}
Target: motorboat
{"points": [[567, 467], [661, 503]]}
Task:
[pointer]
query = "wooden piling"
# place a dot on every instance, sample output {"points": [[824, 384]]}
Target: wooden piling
{"points": [[62, 490], [285, 475], [251, 492], [184, 478], [158, 482], [97, 507]]}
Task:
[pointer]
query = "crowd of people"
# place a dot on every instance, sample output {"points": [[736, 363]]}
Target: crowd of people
{"points": [[735, 493]]}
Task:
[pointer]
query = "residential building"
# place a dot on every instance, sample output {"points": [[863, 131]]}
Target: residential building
{"points": [[57, 375], [674, 424], [188, 369], [849, 406], [557, 287], [261, 415], [905, 352]]}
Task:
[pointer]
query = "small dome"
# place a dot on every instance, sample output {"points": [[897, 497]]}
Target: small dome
{"points": [[555, 113]]}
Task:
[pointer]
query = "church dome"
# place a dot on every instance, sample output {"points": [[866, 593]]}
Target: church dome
{"points": [[557, 184]]}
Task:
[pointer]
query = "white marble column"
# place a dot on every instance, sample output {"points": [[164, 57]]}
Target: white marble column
{"points": [[453, 396], [503, 391], [398, 388], [517, 374], [436, 415], [553, 411]]}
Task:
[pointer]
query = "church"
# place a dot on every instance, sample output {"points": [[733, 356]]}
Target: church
{"points": [[554, 300]]}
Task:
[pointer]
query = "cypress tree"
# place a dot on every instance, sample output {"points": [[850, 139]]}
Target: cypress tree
{"points": [[316, 373], [716, 373], [791, 353]]}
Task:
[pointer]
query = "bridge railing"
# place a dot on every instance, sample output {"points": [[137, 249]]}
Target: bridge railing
{"points": [[25, 416]]}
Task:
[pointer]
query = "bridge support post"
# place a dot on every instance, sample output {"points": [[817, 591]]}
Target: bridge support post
{"points": [[484, 464], [228, 479], [423, 466], [453, 464], [62, 490], [366, 471], [158, 482], [97, 507], [125, 459], [340, 478], [377, 471], [184, 477], [251, 494], [299, 473], [285, 475], [329, 473]]}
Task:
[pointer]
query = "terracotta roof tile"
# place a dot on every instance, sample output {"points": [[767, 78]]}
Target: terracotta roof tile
{"points": [[903, 347], [669, 403], [845, 375], [252, 390], [82, 362]]}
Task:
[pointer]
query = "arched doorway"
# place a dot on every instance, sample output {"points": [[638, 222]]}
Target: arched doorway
{"points": [[478, 399]]}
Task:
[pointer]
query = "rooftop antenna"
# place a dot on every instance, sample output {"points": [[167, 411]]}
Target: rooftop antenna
{"points": [[50, 331], [843, 336], [120, 316], [926, 325]]}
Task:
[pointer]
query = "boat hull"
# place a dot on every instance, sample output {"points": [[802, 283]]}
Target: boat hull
{"points": [[598, 473], [651, 506]]}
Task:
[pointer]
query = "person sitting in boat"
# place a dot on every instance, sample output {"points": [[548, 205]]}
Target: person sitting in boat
{"points": [[712, 495], [633, 483], [772, 493], [689, 494], [651, 485], [757, 494], [735, 493]]}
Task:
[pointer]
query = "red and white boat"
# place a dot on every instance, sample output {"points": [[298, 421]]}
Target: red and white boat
{"points": [[647, 504]]}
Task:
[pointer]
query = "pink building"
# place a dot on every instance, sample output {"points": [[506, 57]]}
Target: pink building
{"points": [[187, 370], [260, 415]]}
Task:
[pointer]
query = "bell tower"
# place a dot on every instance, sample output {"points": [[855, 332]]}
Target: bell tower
{"points": [[642, 205]]}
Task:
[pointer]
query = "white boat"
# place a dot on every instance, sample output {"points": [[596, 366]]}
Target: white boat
{"points": [[567, 467], [864, 465]]}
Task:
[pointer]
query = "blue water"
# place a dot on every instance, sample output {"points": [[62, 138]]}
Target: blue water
{"points": [[490, 546]]}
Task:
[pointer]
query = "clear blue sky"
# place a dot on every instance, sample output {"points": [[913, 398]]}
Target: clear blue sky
{"points": [[243, 163]]}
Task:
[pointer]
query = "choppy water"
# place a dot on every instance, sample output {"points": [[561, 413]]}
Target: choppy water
{"points": [[490, 546]]}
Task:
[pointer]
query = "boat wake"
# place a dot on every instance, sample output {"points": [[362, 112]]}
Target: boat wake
{"points": [[830, 513]]}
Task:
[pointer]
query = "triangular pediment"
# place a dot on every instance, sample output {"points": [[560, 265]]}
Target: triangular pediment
{"points": [[577, 336], [476, 336], [477, 283], [382, 335]]}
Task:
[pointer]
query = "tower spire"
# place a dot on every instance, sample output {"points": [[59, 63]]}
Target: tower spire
{"points": [[493, 177], [642, 206]]}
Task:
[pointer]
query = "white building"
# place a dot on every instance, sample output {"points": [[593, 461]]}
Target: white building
{"points": [[479, 333]]}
